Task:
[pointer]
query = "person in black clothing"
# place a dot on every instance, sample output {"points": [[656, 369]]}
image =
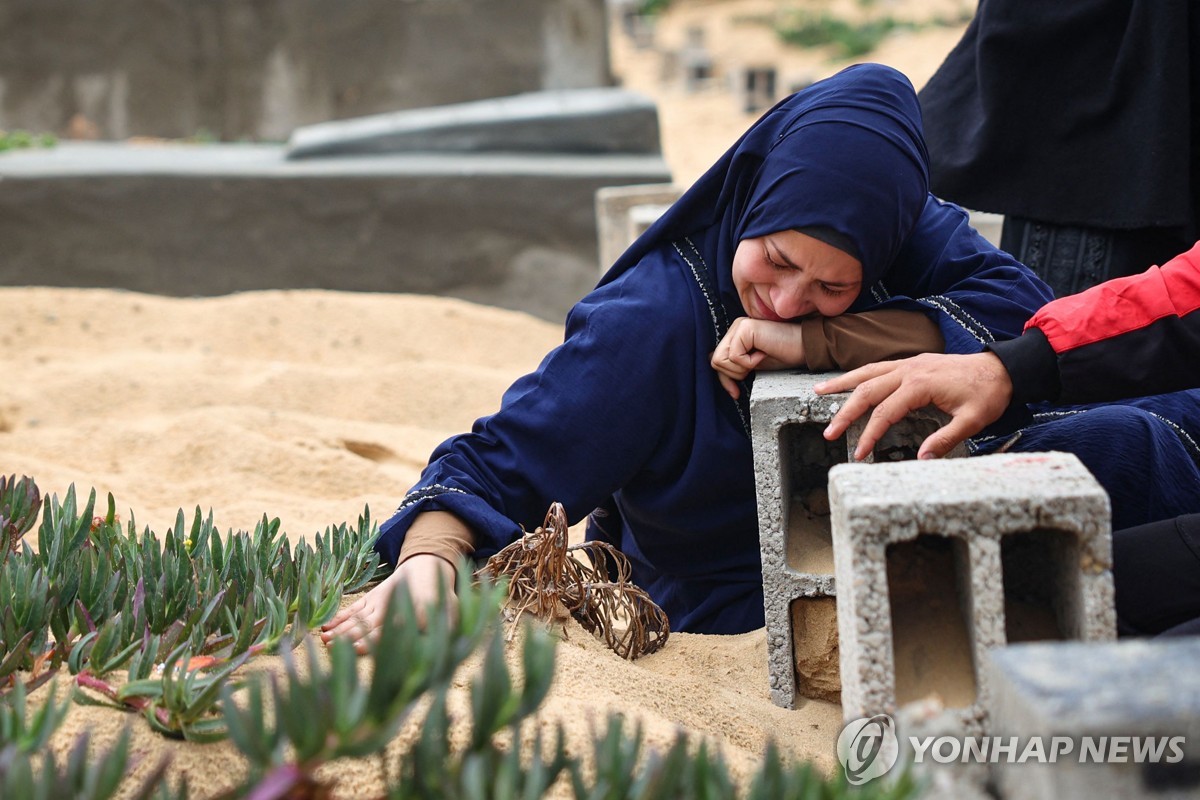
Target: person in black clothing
{"points": [[1078, 121]]}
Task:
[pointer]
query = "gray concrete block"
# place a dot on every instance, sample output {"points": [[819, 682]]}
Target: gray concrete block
{"points": [[1107, 693], [939, 561], [597, 120], [512, 230], [624, 212], [791, 463]]}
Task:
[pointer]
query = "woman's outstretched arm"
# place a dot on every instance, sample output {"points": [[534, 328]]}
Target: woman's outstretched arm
{"points": [[573, 431], [435, 543]]}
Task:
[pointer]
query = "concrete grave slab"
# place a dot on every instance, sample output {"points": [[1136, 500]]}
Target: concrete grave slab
{"points": [[596, 120], [1125, 698], [258, 70], [514, 230], [624, 212]]}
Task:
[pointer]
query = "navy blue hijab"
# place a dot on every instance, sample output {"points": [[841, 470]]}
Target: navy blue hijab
{"points": [[845, 155]]}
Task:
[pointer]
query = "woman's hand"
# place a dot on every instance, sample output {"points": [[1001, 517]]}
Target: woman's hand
{"points": [[752, 344], [360, 621]]}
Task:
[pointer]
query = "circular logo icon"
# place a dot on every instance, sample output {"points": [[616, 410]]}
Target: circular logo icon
{"points": [[868, 748]]}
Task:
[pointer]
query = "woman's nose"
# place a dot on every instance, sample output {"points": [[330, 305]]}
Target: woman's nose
{"points": [[791, 302]]}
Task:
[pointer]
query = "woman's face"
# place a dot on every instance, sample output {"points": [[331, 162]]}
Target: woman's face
{"points": [[785, 275]]}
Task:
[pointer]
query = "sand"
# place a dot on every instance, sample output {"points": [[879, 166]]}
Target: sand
{"points": [[310, 405], [307, 405]]}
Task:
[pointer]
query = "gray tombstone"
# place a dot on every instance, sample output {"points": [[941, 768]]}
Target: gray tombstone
{"points": [[1129, 711]]}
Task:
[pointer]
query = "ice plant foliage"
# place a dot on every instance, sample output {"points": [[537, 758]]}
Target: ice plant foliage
{"points": [[20, 502], [325, 713], [181, 613], [84, 777]]}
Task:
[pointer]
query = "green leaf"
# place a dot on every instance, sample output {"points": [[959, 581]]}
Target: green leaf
{"points": [[537, 660], [493, 702], [247, 725], [104, 775], [151, 688]]}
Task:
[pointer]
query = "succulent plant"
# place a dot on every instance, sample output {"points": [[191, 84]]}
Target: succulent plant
{"points": [[484, 769], [101, 597], [20, 502], [84, 776], [22, 733], [25, 619], [353, 547], [324, 714], [64, 530], [29, 772], [109, 647], [623, 770], [181, 699]]}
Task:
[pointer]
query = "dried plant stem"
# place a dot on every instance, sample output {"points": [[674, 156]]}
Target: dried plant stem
{"points": [[548, 581]]}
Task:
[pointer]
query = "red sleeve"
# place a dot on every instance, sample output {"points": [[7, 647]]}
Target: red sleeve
{"points": [[1129, 336], [1122, 305]]}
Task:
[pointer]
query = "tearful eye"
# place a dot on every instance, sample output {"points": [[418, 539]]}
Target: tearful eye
{"points": [[774, 264]]}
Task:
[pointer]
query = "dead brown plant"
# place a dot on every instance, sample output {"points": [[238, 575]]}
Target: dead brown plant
{"points": [[589, 582]]}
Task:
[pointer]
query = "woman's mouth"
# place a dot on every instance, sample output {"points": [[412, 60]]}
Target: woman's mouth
{"points": [[764, 311]]}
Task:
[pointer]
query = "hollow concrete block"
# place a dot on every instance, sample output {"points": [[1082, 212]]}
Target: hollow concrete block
{"points": [[939, 561], [624, 212], [791, 464]]}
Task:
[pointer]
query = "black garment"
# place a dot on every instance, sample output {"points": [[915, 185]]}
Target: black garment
{"points": [[1072, 258], [1078, 113], [1157, 572]]}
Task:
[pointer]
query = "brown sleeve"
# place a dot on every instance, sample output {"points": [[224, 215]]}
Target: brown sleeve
{"points": [[851, 340], [437, 533]]}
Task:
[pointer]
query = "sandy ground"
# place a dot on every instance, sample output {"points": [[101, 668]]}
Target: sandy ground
{"points": [[307, 406], [310, 405]]}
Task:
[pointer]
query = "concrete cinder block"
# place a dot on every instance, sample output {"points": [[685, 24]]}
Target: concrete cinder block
{"points": [[791, 464], [939, 561], [1121, 698], [624, 212]]}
